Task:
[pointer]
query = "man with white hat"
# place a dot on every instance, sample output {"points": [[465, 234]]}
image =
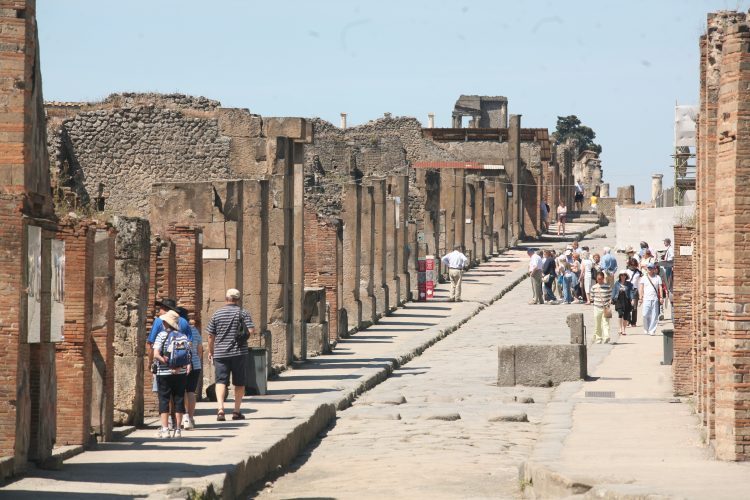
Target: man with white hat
{"points": [[228, 331]]}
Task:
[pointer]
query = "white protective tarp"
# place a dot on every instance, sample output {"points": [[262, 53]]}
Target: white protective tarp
{"points": [[685, 117]]}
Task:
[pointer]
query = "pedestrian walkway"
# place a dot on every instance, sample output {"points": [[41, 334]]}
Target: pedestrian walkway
{"points": [[225, 457], [622, 434]]}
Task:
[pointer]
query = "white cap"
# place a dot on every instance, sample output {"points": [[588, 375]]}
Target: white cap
{"points": [[233, 293]]}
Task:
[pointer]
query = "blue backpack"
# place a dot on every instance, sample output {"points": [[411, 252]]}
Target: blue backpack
{"points": [[178, 349]]}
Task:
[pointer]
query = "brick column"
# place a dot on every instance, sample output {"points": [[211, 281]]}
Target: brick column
{"points": [[732, 261], [188, 269], [73, 354], [682, 365]]}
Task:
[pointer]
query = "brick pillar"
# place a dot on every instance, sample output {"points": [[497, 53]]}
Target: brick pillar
{"points": [[74, 353], [188, 275], [459, 199], [352, 238], [698, 260], [732, 264], [448, 212], [162, 284], [682, 365], [469, 220], [400, 190]]}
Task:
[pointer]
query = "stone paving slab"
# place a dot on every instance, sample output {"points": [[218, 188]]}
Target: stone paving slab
{"points": [[223, 458]]}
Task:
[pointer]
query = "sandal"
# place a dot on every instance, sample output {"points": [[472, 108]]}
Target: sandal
{"points": [[220, 416], [237, 416]]}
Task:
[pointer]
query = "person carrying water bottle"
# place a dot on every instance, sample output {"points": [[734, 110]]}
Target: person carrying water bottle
{"points": [[173, 351]]}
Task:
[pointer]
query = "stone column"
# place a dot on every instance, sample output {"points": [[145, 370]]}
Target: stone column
{"points": [[253, 239], [343, 121], [480, 228], [448, 211], [431, 120], [380, 284], [352, 216], [403, 245], [367, 258], [460, 207], [280, 233], [131, 308], [656, 190], [515, 170], [470, 221], [604, 190], [298, 255], [391, 250], [411, 258], [102, 334]]}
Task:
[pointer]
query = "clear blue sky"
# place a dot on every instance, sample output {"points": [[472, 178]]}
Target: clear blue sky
{"points": [[619, 66]]}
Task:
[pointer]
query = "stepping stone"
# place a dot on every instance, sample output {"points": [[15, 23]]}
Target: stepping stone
{"points": [[510, 416], [371, 414], [447, 417], [394, 400]]}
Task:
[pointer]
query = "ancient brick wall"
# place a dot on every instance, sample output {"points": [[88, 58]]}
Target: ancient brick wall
{"points": [[321, 263], [682, 365], [74, 353]]}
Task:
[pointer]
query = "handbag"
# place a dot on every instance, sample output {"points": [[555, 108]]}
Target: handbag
{"points": [[547, 279], [607, 312]]}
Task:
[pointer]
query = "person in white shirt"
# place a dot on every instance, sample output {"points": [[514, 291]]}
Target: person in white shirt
{"points": [[455, 262], [535, 272], [669, 260], [650, 292]]}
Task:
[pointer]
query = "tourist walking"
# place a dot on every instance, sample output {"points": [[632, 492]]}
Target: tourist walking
{"points": [[594, 199], [622, 298], [549, 277], [609, 265], [173, 353], [668, 263], [635, 280], [535, 272], [602, 295], [578, 200], [455, 261], [563, 271], [587, 265], [544, 214], [562, 216], [194, 377], [651, 294], [228, 331]]}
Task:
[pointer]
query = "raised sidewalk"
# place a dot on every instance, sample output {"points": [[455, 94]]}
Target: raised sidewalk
{"points": [[221, 459]]}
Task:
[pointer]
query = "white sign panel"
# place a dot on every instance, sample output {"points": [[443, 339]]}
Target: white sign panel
{"points": [[215, 254], [686, 251], [57, 287], [34, 284]]}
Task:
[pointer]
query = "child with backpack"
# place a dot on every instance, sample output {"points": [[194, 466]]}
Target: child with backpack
{"points": [[173, 351]]}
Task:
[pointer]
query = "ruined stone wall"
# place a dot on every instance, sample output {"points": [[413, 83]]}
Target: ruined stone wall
{"points": [[322, 264], [380, 147], [118, 148]]}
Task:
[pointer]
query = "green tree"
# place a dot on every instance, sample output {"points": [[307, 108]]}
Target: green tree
{"points": [[570, 127]]}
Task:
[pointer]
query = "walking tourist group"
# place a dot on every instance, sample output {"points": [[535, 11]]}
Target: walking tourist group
{"points": [[175, 351], [578, 275]]}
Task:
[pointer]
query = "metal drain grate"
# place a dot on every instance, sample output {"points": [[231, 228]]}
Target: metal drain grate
{"points": [[600, 394]]}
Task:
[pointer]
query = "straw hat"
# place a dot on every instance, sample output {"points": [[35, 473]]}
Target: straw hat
{"points": [[171, 318]]}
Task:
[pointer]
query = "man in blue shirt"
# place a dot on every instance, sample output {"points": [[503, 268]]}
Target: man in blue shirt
{"points": [[609, 266]]}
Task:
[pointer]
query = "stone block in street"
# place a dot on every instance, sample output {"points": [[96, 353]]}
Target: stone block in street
{"points": [[540, 365]]}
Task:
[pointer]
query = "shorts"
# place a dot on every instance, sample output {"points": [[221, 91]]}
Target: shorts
{"points": [[236, 365], [579, 197], [192, 380], [172, 387]]}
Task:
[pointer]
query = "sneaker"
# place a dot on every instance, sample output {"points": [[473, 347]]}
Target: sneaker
{"points": [[171, 423], [162, 433], [177, 434], [188, 424]]}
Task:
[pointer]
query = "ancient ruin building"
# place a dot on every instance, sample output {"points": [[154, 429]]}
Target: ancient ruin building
{"points": [[587, 169], [31, 269], [712, 340], [484, 111]]}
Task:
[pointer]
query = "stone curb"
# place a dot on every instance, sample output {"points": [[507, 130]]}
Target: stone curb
{"points": [[237, 479]]}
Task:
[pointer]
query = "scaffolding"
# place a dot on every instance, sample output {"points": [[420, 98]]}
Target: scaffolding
{"points": [[684, 151]]}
